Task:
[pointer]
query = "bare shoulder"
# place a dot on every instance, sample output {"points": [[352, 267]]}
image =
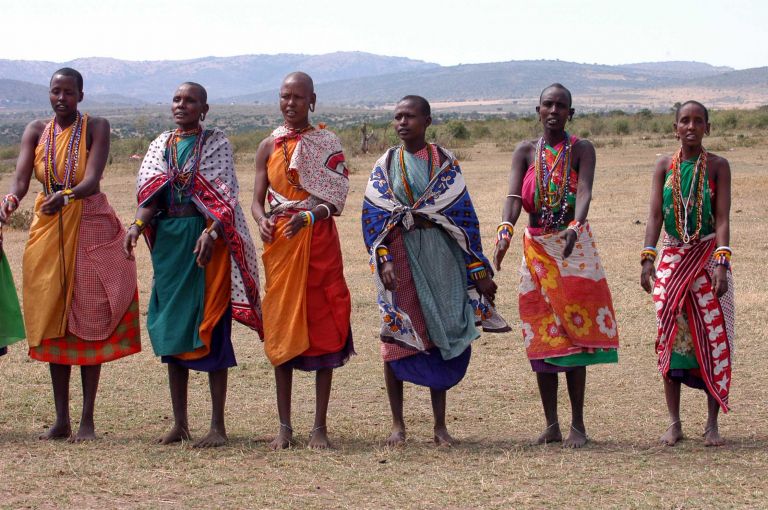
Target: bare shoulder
{"points": [[266, 146], [98, 124], [525, 146], [662, 165], [583, 146], [717, 162]]}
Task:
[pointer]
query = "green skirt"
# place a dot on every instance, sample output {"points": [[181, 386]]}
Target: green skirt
{"points": [[12, 323]]}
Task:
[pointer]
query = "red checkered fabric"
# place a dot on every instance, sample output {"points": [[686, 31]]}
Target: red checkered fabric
{"points": [[407, 299], [105, 280], [71, 350]]}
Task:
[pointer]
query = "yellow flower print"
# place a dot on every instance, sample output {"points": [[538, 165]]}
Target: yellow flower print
{"points": [[543, 268], [550, 333], [577, 318]]}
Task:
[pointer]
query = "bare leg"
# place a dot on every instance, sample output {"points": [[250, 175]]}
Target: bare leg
{"points": [[90, 377], [217, 435], [577, 382], [61, 429], [674, 432], [284, 385], [318, 439], [442, 437], [548, 392], [395, 395], [178, 381], [711, 433]]}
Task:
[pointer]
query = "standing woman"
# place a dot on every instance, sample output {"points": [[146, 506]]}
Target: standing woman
{"points": [[565, 304], [692, 286], [204, 261], [80, 295]]}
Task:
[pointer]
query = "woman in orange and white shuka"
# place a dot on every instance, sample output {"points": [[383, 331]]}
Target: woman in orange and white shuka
{"points": [[80, 295]]}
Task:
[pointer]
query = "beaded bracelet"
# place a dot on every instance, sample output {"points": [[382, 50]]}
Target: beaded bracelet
{"points": [[576, 226], [211, 231], [11, 198], [505, 230], [723, 255], [648, 253], [139, 224], [68, 195], [478, 273], [309, 218]]}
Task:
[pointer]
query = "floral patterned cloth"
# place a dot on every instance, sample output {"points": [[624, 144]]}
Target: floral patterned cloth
{"points": [[565, 305]]}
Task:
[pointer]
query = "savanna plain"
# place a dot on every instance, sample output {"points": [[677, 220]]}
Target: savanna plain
{"points": [[495, 412]]}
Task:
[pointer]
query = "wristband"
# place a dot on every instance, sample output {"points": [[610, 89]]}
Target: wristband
{"points": [[11, 198], [139, 225], [211, 231], [327, 209], [576, 226], [505, 230]]}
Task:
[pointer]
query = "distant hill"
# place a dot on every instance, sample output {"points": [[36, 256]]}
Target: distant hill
{"points": [[504, 80], [23, 94], [155, 81], [363, 79]]}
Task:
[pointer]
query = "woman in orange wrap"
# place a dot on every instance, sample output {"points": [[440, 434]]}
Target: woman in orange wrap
{"points": [[300, 172], [80, 296]]}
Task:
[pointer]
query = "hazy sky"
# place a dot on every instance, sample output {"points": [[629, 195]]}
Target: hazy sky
{"points": [[448, 32]]}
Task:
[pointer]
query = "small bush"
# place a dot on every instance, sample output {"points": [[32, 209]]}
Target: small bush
{"points": [[621, 127], [21, 219]]}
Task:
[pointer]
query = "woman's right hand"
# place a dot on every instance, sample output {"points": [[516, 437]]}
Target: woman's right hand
{"points": [[499, 252], [648, 276], [266, 228], [388, 276], [6, 209], [129, 241]]}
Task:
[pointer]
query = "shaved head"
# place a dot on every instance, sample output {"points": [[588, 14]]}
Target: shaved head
{"points": [[200, 89], [558, 86], [300, 77]]}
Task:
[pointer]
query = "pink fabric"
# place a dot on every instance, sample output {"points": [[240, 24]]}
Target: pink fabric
{"points": [[104, 281]]}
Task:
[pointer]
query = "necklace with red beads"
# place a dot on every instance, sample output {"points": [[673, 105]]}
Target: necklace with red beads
{"points": [[52, 181]]}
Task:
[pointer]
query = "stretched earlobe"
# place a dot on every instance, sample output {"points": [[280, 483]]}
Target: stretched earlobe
{"points": [[202, 116], [311, 107]]}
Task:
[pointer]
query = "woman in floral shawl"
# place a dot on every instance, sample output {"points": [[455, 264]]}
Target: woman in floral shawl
{"points": [[206, 273]]}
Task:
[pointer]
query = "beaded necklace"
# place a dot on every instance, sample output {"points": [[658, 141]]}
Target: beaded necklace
{"points": [[552, 184], [291, 174], [52, 182], [682, 205], [182, 178], [404, 173]]}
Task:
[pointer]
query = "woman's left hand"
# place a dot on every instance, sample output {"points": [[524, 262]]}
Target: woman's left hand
{"points": [[292, 226], [204, 249], [720, 280], [53, 204]]}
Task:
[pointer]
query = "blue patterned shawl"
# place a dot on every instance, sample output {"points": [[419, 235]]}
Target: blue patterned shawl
{"points": [[447, 203]]}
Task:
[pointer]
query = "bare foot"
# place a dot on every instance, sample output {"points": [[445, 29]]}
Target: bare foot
{"points": [[213, 439], [576, 438], [443, 438], [396, 438], [284, 438], [176, 434], [712, 437], [86, 432], [57, 431], [673, 434], [551, 434], [318, 438]]}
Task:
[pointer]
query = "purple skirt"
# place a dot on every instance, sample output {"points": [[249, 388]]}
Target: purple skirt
{"points": [[3, 351], [429, 369], [542, 367], [222, 354], [331, 360]]}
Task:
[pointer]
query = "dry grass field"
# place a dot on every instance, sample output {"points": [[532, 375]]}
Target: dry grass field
{"points": [[495, 411]]}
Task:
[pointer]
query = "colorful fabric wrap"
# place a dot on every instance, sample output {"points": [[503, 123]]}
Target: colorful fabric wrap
{"points": [[445, 203], [565, 305], [318, 161], [215, 194], [12, 323], [684, 284], [307, 305]]}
